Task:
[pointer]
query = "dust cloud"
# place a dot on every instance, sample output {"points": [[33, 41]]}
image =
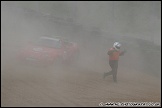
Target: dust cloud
{"points": [[95, 26]]}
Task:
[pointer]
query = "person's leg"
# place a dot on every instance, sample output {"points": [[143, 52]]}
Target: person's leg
{"points": [[110, 72], [115, 71], [115, 77]]}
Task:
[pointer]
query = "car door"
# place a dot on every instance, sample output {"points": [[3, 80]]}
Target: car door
{"points": [[68, 48]]}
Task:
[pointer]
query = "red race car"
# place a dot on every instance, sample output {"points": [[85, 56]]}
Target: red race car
{"points": [[49, 50]]}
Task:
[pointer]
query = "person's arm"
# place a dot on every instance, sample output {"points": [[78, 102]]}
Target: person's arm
{"points": [[122, 53], [110, 52]]}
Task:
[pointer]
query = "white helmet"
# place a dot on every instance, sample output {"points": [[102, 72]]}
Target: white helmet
{"points": [[117, 45]]}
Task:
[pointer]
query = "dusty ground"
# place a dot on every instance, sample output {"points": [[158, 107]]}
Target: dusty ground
{"points": [[80, 86]]}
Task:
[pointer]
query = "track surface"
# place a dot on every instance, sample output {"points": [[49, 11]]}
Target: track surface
{"points": [[25, 85]]}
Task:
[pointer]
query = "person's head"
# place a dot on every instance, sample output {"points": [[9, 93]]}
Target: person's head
{"points": [[117, 46]]}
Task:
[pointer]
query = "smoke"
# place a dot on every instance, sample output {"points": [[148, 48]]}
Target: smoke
{"points": [[94, 26], [20, 25]]}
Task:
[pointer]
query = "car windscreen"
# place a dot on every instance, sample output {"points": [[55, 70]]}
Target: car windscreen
{"points": [[49, 43]]}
